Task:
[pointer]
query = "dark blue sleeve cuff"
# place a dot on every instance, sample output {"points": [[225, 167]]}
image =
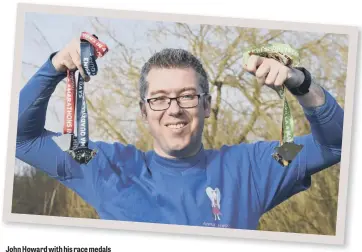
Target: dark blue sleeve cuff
{"points": [[324, 113], [49, 70]]}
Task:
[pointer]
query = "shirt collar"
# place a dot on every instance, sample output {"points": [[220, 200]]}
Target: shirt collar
{"points": [[180, 164]]}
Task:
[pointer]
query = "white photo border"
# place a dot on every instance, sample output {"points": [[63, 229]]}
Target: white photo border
{"points": [[337, 239]]}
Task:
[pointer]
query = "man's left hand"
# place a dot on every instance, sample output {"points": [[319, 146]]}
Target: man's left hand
{"points": [[272, 73]]}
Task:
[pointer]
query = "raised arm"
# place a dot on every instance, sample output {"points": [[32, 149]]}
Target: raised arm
{"points": [[321, 149], [36, 145]]}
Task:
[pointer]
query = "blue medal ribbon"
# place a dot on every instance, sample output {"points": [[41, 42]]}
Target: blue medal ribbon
{"points": [[79, 147], [88, 61]]}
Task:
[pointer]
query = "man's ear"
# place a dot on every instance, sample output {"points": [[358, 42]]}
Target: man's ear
{"points": [[207, 106], [143, 111]]}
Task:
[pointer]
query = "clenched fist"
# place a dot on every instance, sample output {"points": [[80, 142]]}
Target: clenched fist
{"points": [[272, 73], [69, 58]]}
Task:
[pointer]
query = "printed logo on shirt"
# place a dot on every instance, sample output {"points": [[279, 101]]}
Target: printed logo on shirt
{"points": [[215, 197]]}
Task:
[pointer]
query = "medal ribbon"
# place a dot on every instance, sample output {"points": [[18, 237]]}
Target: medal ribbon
{"points": [[89, 65], [287, 56], [287, 132], [90, 49]]}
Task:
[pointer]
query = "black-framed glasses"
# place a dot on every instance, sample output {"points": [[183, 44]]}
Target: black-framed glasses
{"points": [[183, 101]]}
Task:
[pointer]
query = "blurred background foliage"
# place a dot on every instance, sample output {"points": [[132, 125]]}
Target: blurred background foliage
{"points": [[242, 112]]}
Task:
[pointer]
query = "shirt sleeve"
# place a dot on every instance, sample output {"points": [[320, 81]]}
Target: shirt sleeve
{"points": [[321, 149]]}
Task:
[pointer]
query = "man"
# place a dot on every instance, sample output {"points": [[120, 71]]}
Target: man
{"points": [[180, 182]]}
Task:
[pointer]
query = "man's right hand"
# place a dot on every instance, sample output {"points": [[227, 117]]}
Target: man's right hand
{"points": [[69, 58]]}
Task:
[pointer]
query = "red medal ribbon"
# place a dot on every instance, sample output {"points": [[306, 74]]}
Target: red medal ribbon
{"points": [[100, 48], [69, 104]]}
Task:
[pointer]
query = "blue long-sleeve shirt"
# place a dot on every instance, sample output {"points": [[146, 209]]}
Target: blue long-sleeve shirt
{"points": [[124, 183]]}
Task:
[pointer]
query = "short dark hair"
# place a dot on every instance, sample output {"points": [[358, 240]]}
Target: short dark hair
{"points": [[173, 58]]}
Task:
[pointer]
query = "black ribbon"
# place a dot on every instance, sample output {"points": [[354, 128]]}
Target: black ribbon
{"points": [[79, 146]]}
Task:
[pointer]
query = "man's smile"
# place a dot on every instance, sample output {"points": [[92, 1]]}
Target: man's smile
{"points": [[177, 126]]}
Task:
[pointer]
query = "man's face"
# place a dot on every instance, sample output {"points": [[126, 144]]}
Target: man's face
{"points": [[177, 131]]}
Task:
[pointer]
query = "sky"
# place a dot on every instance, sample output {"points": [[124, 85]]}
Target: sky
{"points": [[60, 29]]}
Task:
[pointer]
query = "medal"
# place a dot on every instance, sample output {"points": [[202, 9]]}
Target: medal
{"points": [[82, 155], [90, 49], [287, 149]]}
